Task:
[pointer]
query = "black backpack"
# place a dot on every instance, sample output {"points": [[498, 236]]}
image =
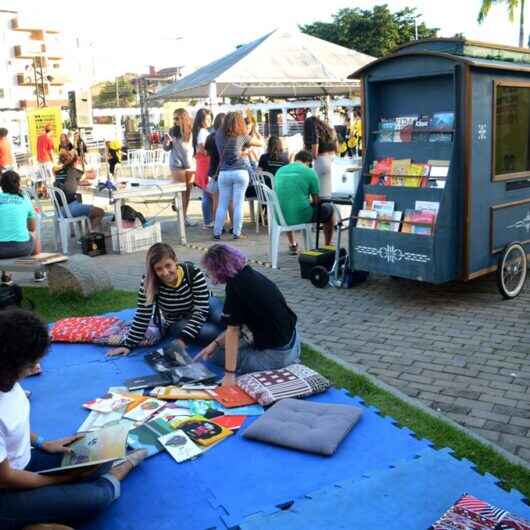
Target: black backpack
{"points": [[10, 295], [130, 214]]}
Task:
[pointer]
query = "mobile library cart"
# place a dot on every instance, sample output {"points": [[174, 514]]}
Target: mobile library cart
{"points": [[445, 192]]}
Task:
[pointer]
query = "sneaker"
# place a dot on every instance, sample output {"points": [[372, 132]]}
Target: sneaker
{"points": [[240, 236], [217, 238], [293, 250], [6, 279], [190, 222], [39, 276], [208, 226]]}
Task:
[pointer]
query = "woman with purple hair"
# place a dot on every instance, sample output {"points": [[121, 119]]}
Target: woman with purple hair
{"points": [[261, 328]]}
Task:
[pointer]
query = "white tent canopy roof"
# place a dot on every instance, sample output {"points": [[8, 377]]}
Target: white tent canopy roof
{"points": [[283, 63]]}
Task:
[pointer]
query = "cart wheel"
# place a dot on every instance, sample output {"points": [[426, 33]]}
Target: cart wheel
{"points": [[512, 271], [319, 276]]}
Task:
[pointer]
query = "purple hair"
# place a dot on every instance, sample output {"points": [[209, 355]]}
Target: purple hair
{"points": [[223, 262]]}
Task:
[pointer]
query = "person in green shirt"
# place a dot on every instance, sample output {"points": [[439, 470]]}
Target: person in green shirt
{"points": [[297, 188]]}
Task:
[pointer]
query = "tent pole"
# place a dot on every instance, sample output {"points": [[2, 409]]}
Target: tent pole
{"points": [[212, 97], [285, 123]]}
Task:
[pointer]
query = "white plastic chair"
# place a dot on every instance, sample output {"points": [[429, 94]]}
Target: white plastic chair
{"points": [[277, 224], [259, 178], [65, 220], [43, 216], [93, 161]]}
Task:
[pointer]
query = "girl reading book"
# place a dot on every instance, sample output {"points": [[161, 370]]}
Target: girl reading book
{"points": [[28, 497]]}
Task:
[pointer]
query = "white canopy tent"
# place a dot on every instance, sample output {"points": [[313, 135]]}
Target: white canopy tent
{"points": [[281, 64]]}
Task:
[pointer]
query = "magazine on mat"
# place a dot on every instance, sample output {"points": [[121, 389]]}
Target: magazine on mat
{"points": [[96, 447]]}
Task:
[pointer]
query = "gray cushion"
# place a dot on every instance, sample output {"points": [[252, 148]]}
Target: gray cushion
{"points": [[305, 425]]}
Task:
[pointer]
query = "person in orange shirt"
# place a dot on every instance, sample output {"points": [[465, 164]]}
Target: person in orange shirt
{"points": [[6, 156], [45, 145]]}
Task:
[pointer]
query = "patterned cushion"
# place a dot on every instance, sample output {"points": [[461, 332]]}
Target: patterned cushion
{"points": [[304, 425], [294, 381], [98, 330], [470, 513]]}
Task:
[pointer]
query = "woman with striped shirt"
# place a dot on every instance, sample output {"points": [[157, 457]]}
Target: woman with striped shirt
{"points": [[176, 297]]}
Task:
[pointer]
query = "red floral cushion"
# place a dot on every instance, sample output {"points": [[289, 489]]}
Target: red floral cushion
{"points": [[81, 329]]}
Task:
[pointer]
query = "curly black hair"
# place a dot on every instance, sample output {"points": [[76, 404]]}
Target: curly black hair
{"points": [[24, 340]]}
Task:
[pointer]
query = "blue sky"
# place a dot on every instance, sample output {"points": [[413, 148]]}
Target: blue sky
{"points": [[128, 36]]}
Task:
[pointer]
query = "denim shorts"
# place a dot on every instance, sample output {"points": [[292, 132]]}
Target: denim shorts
{"points": [[78, 209]]}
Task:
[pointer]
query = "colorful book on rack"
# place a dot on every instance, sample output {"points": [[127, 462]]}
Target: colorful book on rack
{"points": [[403, 127], [367, 219], [180, 446], [386, 207], [439, 170], [428, 206], [389, 221], [201, 430], [381, 169], [146, 436], [386, 130], [423, 218], [420, 125], [399, 169], [415, 175], [369, 198], [442, 120]]}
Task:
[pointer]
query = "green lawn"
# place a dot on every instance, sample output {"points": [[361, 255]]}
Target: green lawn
{"points": [[424, 425]]}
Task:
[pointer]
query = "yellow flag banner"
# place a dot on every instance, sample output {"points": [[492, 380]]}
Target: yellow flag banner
{"points": [[37, 119]]}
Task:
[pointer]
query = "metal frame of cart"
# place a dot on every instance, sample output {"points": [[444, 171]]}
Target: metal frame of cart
{"points": [[483, 223]]}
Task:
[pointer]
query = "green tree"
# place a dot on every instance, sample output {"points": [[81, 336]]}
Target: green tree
{"points": [[375, 32], [511, 6], [109, 97]]}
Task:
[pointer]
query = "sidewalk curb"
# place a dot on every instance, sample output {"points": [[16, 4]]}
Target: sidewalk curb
{"points": [[513, 459]]}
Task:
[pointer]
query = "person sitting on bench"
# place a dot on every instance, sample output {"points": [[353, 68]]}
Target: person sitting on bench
{"points": [[18, 229], [67, 178], [253, 304], [297, 187], [176, 297], [28, 497]]}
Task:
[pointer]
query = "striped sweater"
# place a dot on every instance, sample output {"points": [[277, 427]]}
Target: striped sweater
{"points": [[175, 303]]}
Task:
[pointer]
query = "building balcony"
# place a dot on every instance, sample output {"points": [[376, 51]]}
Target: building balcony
{"points": [[32, 103], [53, 52], [29, 80], [22, 23], [28, 51]]}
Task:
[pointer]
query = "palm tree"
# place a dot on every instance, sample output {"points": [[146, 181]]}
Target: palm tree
{"points": [[512, 6]]}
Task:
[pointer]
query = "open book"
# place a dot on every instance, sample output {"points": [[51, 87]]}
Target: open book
{"points": [[96, 447]]}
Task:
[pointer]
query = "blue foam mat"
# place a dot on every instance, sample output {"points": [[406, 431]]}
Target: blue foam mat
{"points": [[230, 482], [411, 495]]}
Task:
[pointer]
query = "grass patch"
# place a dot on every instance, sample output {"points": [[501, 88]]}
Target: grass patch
{"points": [[425, 426]]}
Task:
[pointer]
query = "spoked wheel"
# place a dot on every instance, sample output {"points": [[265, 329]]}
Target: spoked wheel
{"points": [[512, 271], [319, 276]]}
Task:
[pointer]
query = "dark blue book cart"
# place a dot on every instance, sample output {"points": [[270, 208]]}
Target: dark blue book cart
{"points": [[483, 222]]}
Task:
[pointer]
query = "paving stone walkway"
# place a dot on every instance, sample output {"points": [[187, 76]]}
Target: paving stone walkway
{"points": [[458, 348]]}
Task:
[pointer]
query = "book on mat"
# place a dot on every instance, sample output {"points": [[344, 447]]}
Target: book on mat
{"points": [[179, 445], [164, 360], [232, 396], [149, 381], [144, 410], [96, 447], [172, 393], [146, 436], [201, 430], [366, 219], [96, 420], [171, 412], [195, 372], [230, 422], [108, 403]]}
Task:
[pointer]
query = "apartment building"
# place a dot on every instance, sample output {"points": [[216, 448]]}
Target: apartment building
{"points": [[31, 63]]}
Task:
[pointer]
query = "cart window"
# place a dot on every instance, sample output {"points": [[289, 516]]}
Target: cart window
{"points": [[512, 131]]}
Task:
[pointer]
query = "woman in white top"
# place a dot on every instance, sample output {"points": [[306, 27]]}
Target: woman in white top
{"points": [[201, 126], [27, 497], [181, 161]]}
